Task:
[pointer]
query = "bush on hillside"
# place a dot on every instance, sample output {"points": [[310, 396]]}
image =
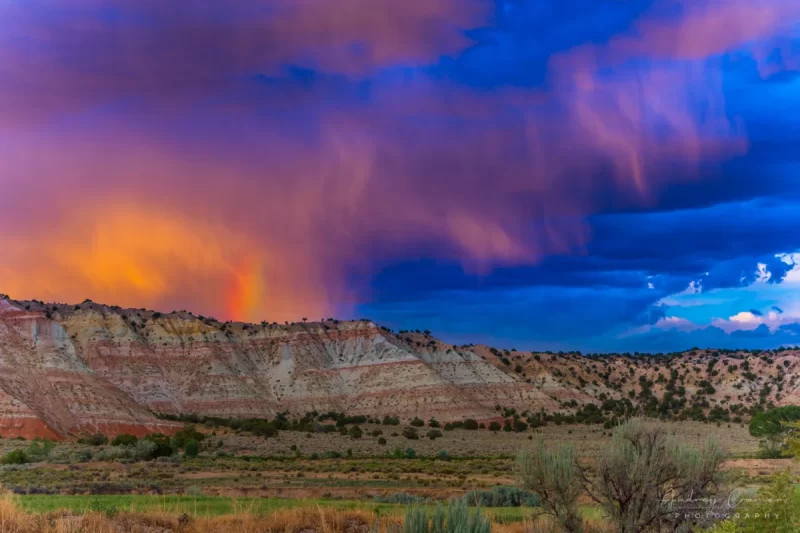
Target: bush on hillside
{"points": [[410, 433], [434, 434]]}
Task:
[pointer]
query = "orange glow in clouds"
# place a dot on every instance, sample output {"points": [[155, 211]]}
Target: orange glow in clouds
{"points": [[136, 257], [275, 198]]}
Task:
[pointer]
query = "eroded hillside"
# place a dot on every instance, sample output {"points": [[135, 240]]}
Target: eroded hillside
{"points": [[67, 370]]}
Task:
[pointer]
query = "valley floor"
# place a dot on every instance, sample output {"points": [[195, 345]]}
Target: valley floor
{"points": [[294, 475]]}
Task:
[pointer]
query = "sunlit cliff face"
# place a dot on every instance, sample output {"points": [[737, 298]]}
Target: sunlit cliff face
{"points": [[261, 161]]}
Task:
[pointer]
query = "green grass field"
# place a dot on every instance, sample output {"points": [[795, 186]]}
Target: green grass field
{"points": [[217, 506]]}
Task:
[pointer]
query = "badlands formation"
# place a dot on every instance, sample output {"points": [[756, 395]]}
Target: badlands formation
{"points": [[71, 370]]}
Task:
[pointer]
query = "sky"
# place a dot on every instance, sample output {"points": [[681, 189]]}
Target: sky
{"points": [[558, 175]]}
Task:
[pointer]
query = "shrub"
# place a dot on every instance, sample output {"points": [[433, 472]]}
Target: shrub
{"points": [[520, 426], [191, 448], [400, 498], [355, 432], [15, 457], [391, 421], [494, 426], [434, 423], [256, 426], [183, 436], [39, 450], [417, 422], [443, 456], [114, 453], [555, 476], [469, 423], [455, 518], [411, 453], [163, 447], [410, 433], [381, 441], [773, 427], [502, 496], [98, 439], [434, 434], [644, 466], [346, 420], [124, 440], [80, 456], [145, 449]]}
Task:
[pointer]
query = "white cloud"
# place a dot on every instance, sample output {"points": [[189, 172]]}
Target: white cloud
{"points": [[749, 321], [676, 322], [666, 323]]}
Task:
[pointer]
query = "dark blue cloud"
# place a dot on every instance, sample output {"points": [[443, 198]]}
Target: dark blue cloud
{"points": [[777, 268], [756, 312], [629, 252], [667, 249]]}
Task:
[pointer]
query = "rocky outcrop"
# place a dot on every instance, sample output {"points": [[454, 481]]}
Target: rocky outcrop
{"points": [[67, 370]]}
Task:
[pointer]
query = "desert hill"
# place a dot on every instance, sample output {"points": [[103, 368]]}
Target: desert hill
{"points": [[67, 370]]}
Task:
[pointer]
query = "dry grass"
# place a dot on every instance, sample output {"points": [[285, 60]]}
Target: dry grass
{"points": [[13, 519], [308, 519]]}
